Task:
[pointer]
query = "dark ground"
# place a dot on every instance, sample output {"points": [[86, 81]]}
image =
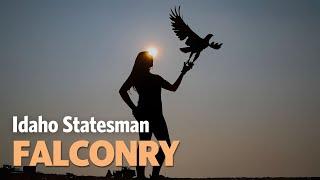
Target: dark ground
{"points": [[40, 176]]}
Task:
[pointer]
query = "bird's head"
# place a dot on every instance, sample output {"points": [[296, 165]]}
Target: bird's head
{"points": [[208, 37]]}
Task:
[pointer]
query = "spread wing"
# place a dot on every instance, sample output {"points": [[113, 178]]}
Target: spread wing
{"points": [[181, 29]]}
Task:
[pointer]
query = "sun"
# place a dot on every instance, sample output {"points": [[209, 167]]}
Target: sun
{"points": [[152, 51]]}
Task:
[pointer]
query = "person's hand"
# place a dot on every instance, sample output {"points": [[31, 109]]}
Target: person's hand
{"points": [[186, 67], [136, 113]]}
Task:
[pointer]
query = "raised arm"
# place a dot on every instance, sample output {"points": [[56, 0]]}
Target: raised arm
{"points": [[175, 85], [124, 93]]}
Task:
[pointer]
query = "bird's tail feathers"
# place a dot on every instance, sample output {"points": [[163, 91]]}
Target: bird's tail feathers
{"points": [[216, 45], [185, 49]]}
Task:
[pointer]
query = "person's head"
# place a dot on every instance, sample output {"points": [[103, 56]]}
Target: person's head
{"points": [[143, 62], [141, 67]]}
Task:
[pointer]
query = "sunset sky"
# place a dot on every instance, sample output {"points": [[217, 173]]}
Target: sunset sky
{"points": [[251, 108]]}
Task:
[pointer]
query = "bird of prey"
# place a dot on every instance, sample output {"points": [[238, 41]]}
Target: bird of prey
{"points": [[195, 44]]}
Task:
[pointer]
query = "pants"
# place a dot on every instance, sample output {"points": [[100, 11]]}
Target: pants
{"points": [[158, 127]]}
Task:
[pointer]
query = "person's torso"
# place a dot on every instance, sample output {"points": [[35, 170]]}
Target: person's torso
{"points": [[149, 90]]}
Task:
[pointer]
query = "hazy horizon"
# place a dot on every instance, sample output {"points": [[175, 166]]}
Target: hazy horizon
{"points": [[248, 109]]}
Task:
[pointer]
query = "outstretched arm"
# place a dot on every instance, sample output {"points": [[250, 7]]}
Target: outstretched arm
{"points": [[175, 85], [124, 93]]}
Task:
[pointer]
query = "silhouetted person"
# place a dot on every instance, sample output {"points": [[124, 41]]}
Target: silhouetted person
{"points": [[148, 87]]}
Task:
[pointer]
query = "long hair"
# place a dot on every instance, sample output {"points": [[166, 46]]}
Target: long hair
{"points": [[140, 68]]}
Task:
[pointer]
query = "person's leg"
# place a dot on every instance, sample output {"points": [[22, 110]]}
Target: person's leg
{"points": [[162, 134], [141, 169]]}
